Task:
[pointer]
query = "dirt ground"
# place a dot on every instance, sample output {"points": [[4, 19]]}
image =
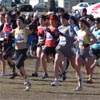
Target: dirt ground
{"points": [[42, 90]]}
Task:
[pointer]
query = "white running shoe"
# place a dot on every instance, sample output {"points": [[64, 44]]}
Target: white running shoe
{"points": [[27, 86], [3, 74], [55, 83], [79, 88]]}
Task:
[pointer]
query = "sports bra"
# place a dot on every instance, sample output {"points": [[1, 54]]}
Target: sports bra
{"points": [[20, 35]]}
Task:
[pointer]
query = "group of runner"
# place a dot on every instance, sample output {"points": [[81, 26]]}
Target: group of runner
{"points": [[56, 37]]}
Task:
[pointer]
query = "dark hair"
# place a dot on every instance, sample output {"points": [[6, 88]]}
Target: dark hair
{"points": [[21, 18], [90, 17], [97, 19], [84, 10], [74, 20], [18, 12], [60, 9], [65, 16], [8, 14], [44, 17], [84, 21]]}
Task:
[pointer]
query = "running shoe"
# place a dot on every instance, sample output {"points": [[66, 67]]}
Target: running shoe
{"points": [[35, 74], [13, 75], [27, 86], [45, 75], [3, 74], [79, 88], [89, 81], [55, 83]]}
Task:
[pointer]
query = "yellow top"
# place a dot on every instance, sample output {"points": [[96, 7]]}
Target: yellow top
{"points": [[21, 36], [83, 35]]}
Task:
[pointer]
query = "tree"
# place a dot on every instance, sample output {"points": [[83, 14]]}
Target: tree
{"points": [[52, 5]]}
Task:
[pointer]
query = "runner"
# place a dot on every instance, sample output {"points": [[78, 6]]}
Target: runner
{"points": [[85, 38], [20, 34], [95, 49], [3, 73], [65, 48], [50, 44], [8, 41], [41, 40]]}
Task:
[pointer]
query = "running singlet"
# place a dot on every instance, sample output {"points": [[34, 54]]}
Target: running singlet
{"points": [[50, 41], [6, 31], [41, 34], [83, 37], [7, 28], [20, 35], [66, 36]]}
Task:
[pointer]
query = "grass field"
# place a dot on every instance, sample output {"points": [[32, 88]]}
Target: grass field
{"points": [[42, 90]]}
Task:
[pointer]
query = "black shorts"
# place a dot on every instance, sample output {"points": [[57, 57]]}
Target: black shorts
{"points": [[49, 51], [8, 52], [20, 57]]}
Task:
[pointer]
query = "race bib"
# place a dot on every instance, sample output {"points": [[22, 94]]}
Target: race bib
{"points": [[62, 40], [19, 38], [81, 43]]}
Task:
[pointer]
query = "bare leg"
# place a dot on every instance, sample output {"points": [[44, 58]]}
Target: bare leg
{"points": [[26, 83], [3, 66], [90, 65], [37, 64], [43, 62], [76, 64], [44, 65]]}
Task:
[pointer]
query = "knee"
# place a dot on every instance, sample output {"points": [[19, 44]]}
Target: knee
{"points": [[43, 56]]}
